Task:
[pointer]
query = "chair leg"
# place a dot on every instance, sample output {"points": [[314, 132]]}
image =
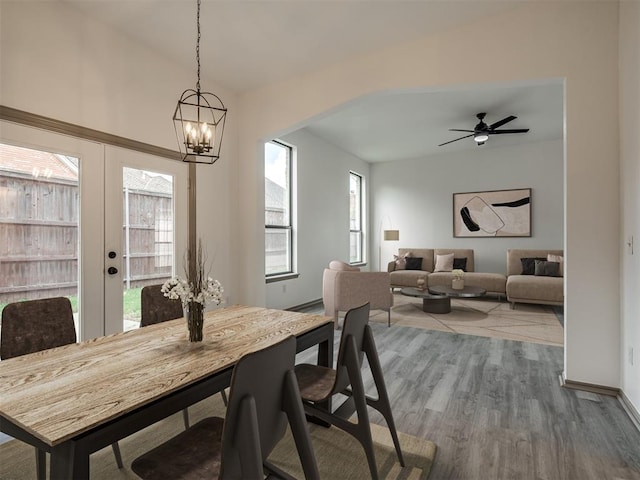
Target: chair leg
{"points": [[116, 453], [223, 393], [363, 428], [382, 404], [292, 404], [389, 318], [41, 464]]}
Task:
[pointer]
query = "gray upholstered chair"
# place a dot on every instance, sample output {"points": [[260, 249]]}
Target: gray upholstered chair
{"points": [[36, 325], [264, 395], [157, 308], [318, 384]]}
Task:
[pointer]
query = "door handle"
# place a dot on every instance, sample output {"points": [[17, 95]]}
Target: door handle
{"points": [[112, 270]]}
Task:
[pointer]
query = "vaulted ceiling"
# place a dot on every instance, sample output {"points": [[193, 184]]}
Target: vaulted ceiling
{"points": [[249, 44]]}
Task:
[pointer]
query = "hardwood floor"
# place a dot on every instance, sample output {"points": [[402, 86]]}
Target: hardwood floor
{"points": [[496, 410]]}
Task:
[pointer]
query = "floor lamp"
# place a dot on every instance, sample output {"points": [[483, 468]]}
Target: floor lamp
{"points": [[387, 235]]}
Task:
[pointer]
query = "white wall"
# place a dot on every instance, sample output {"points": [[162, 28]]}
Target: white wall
{"points": [[418, 195], [630, 175], [322, 216], [575, 41], [61, 64], [58, 64]]}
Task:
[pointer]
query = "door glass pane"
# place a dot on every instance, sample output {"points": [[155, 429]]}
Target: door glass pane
{"points": [[148, 239], [39, 211]]}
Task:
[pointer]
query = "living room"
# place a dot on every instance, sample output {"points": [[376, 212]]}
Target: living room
{"points": [[415, 196], [116, 84]]}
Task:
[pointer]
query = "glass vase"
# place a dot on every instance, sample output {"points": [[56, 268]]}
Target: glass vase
{"points": [[194, 313]]}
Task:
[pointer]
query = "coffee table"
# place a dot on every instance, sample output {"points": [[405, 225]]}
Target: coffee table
{"points": [[437, 299]]}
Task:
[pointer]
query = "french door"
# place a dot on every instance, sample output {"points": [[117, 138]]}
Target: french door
{"points": [[91, 222], [145, 229]]}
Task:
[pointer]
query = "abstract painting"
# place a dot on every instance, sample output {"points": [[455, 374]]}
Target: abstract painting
{"points": [[498, 213]]}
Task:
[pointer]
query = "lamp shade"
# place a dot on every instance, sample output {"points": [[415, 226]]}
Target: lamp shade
{"points": [[391, 235]]}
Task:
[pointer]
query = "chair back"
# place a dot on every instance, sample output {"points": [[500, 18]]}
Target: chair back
{"points": [[354, 325], [256, 402], [36, 325], [157, 308]]}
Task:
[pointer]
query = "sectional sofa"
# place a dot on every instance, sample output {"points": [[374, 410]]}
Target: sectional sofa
{"points": [[493, 283], [520, 285], [544, 287]]}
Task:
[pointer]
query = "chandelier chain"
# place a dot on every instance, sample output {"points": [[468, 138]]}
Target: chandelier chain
{"points": [[198, 47]]}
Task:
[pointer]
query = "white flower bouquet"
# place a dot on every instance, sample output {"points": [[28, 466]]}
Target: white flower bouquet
{"points": [[458, 274], [194, 294], [180, 289]]}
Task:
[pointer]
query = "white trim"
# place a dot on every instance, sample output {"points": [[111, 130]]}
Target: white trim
{"points": [[630, 409]]}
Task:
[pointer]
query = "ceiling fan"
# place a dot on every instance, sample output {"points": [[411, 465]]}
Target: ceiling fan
{"points": [[481, 131]]}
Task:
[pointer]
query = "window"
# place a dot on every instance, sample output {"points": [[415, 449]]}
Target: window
{"points": [[355, 218], [277, 209]]}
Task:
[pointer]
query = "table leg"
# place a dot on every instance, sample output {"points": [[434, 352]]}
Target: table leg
{"points": [[437, 305], [325, 351], [325, 359], [69, 462]]}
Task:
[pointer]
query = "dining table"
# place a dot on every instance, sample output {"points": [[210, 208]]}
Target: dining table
{"points": [[76, 399]]}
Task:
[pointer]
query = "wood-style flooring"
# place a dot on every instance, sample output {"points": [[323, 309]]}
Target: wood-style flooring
{"points": [[496, 410]]}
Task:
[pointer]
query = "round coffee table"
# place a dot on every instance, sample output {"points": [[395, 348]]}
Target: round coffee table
{"points": [[430, 303], [437, 299]]}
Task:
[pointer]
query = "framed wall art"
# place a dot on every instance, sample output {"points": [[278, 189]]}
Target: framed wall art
{"points": [[497, 213]]}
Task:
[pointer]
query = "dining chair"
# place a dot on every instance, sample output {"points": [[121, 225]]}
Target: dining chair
{"points": [[318, 384], [264, 395], [35, 325], [156, 308]]}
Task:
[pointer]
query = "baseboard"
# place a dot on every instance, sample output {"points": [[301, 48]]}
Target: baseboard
{"points": [[588, 387], [630, 409], [312, 303]]}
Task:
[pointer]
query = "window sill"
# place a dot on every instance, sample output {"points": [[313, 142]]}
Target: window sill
{"points": [[360, 264], [280, 278]]}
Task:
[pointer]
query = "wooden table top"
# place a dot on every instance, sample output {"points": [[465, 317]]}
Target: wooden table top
{"points": [[59, 393]]}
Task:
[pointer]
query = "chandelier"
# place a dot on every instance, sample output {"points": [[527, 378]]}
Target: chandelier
{"points": [[199, 120]]}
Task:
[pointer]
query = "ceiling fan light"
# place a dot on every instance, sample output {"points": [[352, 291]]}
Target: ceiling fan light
{"points": [[480, 138]]}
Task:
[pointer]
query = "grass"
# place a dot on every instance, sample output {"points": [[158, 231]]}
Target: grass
{"points": [[131, 303]]}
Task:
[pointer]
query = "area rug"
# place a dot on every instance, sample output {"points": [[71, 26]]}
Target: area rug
{"points": [[338, 454], [486, 317]]}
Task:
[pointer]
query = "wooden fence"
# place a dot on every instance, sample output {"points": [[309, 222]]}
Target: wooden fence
{"points": [[39, 239]]}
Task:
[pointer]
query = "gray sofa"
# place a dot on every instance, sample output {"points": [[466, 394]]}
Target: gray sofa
{"points": [[493, 283], [548, 290]]}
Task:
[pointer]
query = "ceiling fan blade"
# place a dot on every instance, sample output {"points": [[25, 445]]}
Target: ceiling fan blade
{"points": [[451, 141], [499, 123], [517, 130], [458, 130]]}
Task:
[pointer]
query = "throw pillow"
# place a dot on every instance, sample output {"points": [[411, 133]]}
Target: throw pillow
{"points": [[460, 264], [546, 269], [444, 263], [560, 260], [401, 261], [414, 263], [529, 265]]}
